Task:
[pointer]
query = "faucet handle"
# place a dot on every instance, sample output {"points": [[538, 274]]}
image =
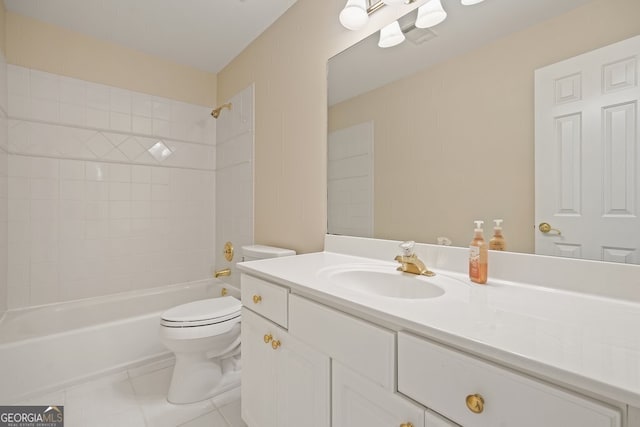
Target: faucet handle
{"points": [[407, 247]]}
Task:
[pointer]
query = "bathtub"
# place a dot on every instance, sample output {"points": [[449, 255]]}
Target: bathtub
{"points": [[54, 346]]}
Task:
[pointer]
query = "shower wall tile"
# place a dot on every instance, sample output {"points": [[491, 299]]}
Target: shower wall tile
{"points": [[234, 177], [112, 235], [45, 139], [96, 199], [50, 98]]}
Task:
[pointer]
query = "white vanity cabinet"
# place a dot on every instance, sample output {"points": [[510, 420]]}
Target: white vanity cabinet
{"points": [[285, 382], [357, 402], [473, 392], [363, 365], [330, 368]]}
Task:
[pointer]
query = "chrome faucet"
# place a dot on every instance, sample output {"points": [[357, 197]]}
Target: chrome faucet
{"points": [[410, 263]]}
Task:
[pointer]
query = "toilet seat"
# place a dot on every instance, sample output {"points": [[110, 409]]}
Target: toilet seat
{"points": [[202, 313]]}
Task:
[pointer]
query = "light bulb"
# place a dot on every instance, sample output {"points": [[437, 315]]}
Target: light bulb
{"points": [[470, 2], [354, 16], [430, 14], [391, 35]]}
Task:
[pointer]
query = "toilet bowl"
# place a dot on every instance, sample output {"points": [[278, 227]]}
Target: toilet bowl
{"points": [[205, 337]]}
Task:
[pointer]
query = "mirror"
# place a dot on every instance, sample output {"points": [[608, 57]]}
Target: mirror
{"points": [[430, 135]]}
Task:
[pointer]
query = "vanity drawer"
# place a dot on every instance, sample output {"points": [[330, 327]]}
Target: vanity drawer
{"points": [[442, 379], [265, 298], [365, 348]]}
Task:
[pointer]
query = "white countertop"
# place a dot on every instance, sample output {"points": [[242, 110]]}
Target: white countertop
{"points": [[586, 342]]}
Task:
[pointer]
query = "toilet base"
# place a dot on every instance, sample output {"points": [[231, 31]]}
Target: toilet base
{"points": [[196, 378]]}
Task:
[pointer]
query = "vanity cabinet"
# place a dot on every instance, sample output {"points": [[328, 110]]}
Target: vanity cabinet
{"points": [[319, 366], [363, 366], [473, 392], [366, 348], [285, 382], [357, 402]]}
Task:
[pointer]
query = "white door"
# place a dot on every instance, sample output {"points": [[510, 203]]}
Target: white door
{"points": [[303, 385], [587, 155], [358, 402]]}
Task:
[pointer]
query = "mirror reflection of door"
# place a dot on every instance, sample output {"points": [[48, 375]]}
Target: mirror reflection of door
{"points": [[587, 158], [350, 181]]}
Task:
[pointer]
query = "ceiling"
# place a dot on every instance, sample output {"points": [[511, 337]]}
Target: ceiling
{"points": [[365, 66], [205, 34]]}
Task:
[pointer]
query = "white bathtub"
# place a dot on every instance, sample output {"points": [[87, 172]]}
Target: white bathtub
{"points": [[57, 345]]}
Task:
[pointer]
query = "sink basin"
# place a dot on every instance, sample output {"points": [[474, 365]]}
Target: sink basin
{"points": [[383, 280]]}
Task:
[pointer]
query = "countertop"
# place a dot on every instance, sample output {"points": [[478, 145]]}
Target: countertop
{"points": [[585, 342]]}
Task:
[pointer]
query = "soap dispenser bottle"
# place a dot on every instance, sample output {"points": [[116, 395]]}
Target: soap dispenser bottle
{"points": [[497, 242], [478, 256]]}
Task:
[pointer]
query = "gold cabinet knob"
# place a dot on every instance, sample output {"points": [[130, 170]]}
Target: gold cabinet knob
{"points": [[545, 228], [224, 292], [406, 425], [267, 338], [257, 299], [275, 344], [475, 403]]}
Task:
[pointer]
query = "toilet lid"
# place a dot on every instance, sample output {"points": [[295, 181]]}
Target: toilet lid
{"points": [[203, 310]]}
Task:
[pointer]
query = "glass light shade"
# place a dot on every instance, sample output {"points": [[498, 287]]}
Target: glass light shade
{"points": [[391, 35], [354, 16], [393, 2], [470, 2], [429, 14]]}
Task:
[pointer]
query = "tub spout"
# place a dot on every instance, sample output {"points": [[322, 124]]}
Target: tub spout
{"points": [[223, 272]]}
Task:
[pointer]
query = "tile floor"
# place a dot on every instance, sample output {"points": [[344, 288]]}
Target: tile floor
{"points": [[137, 398]]}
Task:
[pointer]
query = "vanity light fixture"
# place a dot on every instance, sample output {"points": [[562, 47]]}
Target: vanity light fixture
{"points": [[391, 35], [354, 16], [430, 14]]}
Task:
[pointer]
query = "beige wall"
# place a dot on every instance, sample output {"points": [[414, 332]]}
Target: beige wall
{"points": [[3, 31], [287, 63], [35, 44], [463, 130]]}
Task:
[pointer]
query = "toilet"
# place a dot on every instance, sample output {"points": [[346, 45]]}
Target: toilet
{"points": [[255, 252], [204, 335]]}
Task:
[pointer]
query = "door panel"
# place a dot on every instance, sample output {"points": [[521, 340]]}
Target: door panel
{"points": [[587, 155], [258, 371], [303, 385], [358, 402]]}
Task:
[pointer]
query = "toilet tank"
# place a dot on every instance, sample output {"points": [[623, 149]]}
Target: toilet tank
{"points": [[254, 252]]}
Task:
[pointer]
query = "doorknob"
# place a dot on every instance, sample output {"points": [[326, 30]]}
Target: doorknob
{"points": [[545, 227]]}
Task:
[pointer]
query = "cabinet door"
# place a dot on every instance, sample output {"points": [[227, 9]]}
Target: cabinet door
{"points": [[303, 385], [358, 402], [285, 383], [258, 371]]}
